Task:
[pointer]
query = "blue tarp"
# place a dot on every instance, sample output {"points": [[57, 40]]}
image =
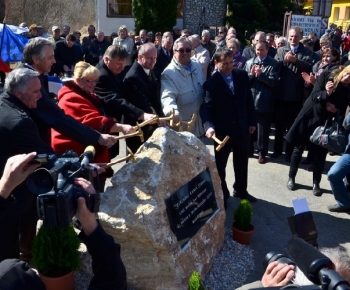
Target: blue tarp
{"points": [[11, 45]]}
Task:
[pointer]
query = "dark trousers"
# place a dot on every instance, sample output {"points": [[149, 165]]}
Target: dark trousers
{"points": [[285, 114], [263, 132], [319, 160], [239, 149]]}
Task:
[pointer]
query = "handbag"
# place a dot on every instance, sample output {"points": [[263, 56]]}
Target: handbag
{"points": [[331, 136]]}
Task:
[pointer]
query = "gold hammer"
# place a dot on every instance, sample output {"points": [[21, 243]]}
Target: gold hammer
{"points": [[137, 133], [131, 156], [188, 123], [221, 143]]}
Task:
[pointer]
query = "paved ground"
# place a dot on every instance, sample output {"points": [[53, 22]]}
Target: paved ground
{"points": [[267, 182]]}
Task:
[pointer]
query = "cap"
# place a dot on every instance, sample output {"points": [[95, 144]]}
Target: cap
{"points": [[55, 27], [328, 30]]}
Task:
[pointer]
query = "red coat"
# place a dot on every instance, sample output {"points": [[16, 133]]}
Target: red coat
{"points": [[86, 109]]}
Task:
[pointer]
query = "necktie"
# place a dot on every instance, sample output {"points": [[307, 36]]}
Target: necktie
{"points": [[230, 83]]}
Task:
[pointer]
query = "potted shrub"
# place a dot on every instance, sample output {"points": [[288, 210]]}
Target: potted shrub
{"points": [[242, 228], [55, 254]]}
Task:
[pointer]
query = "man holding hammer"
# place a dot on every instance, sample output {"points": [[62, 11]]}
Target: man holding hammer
{"points": [[228, 110]]}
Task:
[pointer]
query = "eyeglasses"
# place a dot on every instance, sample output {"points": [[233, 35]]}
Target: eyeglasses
{"points": [[90, 82], [182, 51]]}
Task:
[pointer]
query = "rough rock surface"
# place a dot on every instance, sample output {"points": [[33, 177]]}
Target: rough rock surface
{"points": [[133, 211]]}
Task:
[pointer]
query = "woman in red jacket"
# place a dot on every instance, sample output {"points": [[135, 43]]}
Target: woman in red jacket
{"points": [[78, 100]]}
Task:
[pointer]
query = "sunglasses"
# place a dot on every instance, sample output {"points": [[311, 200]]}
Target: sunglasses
{"points": [[182, 51]]}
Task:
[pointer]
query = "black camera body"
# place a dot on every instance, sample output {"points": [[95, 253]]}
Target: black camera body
{"points": [[56, 192]]}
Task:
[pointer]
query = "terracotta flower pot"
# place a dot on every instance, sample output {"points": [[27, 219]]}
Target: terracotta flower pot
{"points": [[65, 282], [242, 237]]}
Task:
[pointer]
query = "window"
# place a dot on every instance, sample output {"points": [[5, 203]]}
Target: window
{"points": [[179, 11], [347, 13], [336, 13], [118, 8]]}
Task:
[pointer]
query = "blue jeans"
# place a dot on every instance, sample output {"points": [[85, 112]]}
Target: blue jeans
{"points": [[336, 175]]}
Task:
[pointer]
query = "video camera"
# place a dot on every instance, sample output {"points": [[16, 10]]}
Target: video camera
{"points": [[56, 192]]}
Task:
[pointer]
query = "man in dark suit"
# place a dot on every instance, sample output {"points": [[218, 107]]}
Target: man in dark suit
{"points": [[164, 54], [141, 89], [228, 110], [110, 91]]}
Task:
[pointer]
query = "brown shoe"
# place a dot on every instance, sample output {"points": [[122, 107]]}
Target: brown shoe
{"points": [[262, 160]]}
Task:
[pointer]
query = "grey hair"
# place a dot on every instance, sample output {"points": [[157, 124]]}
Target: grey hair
{"points": [[18, 79], [282, 39], [123, 27], [144, 47], [234, 41], [205, 32], [35, 48], [195, 37], [183, 40]]}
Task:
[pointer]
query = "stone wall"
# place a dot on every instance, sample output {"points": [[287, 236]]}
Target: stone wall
{"points": [[196, 18]]}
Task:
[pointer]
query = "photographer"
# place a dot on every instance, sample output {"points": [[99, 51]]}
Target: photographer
{"points": [[107, 265], [280, 274]]}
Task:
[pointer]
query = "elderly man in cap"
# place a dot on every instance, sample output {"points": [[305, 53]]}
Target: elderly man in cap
{"points": [[55, 34]]}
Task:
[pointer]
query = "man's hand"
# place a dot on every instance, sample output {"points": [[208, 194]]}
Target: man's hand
{"points": [[147, 116], [277, 274], [85, 217], [252, 129], [290, 57], [210, 133], [331, 108], [107, 140], [16, 170]]}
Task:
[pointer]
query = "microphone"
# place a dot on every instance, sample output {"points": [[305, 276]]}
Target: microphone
{"points": [[318, 268], [87, 156]]}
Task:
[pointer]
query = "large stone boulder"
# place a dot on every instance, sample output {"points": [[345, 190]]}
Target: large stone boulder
{"points": [[134, 212]]}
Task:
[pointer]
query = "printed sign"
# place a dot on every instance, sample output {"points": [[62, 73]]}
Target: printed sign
{"points": [[307, 23], [191, 206]]}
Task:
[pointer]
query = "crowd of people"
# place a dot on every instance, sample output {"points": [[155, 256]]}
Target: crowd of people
{"points": [[111, 83]]}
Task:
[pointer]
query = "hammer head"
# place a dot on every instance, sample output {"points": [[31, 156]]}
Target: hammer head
{"points": [[131, 155], [222, 144], [191, 122]]}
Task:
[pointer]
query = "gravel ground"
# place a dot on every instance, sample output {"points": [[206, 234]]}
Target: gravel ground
{"points": [[230, 268]]}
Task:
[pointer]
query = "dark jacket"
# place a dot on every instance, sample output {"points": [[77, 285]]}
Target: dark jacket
{"points": [[143, 91], [97, 50], [263, 86], [64, 55], [291, 83], [18, 134], [110, 91], [230, 114], [210, 46], [162, 62], [48, 115], [314, 112]]}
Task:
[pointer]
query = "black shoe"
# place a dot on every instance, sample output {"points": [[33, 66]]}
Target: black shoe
{"points": [[288, 157], [246, 195], [316, 190], [337, 208], [291, 184], [275, 154]]}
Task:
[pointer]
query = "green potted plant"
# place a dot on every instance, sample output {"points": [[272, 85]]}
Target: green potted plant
{"points": [[242, 228], [55, 254]]}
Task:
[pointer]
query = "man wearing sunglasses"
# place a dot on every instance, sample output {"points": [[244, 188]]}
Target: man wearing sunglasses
{"points": [[181, 86]]}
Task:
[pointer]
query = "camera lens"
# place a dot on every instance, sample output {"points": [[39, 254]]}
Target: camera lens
{"points": [[276, 256], [40, 181]]}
